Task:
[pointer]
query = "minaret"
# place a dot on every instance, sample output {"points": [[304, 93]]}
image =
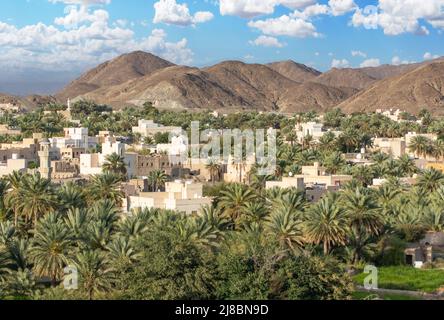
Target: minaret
{"points": [[45, 163]]}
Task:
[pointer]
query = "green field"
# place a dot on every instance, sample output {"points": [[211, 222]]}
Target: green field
{"points": [[407, 278]]}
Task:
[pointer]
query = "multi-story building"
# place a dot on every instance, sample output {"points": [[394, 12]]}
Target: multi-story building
{"points": [[148, 128], [312, 129], [156, 162], [182, 196], [91, 164]]}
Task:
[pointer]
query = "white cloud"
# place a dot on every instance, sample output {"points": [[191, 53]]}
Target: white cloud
{"points": [[82, 38], [396, 60], [254, 8], [338, 63], [341, 7], [429, 56], [286, 26], [170, 12], [266, 41], [311, 11], [401, 16], [370, 63], [357, 53]]}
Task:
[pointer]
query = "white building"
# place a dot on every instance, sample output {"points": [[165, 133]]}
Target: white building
{"points": [[148, 128], [91, 164], [14, 164], [74, 138], [312, 129], [182, 196], [177, 147]]}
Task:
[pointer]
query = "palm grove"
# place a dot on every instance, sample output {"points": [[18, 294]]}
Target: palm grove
{"points": [[251, 243]]}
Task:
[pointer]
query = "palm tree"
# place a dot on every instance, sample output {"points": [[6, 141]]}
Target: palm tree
{"points": [[5, 263], [431, 180], [255, 212], [157, 180], [363, 174], [379, 157], [115, 164], [327, 223], [233, 201], [407, 165], [334, 162], [328, 142], [364, 215], [94, 273], [35, 198], [286, 225], [419, 145], [51, 248], [13, 197], [4, 188], [438, 149], [106, 187], [71, 196], [214, 168], [120, 252]]}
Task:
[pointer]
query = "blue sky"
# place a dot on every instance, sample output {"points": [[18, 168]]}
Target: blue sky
{"points": [[62, 38]]}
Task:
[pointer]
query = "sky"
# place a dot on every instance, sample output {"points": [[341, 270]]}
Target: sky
{"points": [[46, 43]]}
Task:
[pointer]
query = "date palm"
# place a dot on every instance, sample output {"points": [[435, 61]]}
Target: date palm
{"points": [[13, 197], [233, 201], [419, 145], [35, 199], [364, 215], [286, 226], [71, 196], [327, 223], [115, 164], [431, 180], [334, 162], [157, 179], [407, 165], [51, 248], [438, 149], [4, 188], [106, 187], [95, 275]]}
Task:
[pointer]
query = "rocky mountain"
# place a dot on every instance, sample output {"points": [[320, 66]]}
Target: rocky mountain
{"points": [[29, 102], [346, 78], [294, 71], [420, 88], [286, 86], [227, 85], [114, 72]]}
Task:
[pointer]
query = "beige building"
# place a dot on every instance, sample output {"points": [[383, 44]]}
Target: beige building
{"points": [[26, 149], [148, 128], [65, 169], [156, 162], [395, 147], [238, 172], [316, 175], [181, 196], [312, 176], [312, 129], [287, 183], [15, 163]]}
